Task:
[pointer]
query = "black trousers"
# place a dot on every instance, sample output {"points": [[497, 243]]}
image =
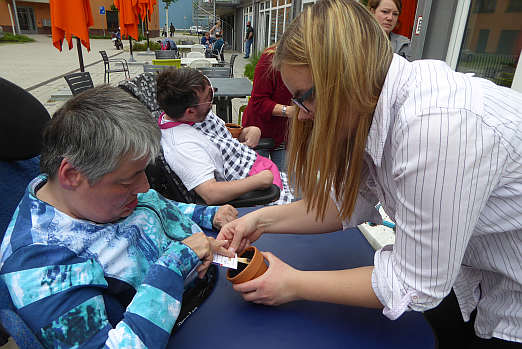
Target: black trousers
{"points": [[452, 332]]}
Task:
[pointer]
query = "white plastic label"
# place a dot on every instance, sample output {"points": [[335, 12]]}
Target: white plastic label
{"points": [[225, 261]]}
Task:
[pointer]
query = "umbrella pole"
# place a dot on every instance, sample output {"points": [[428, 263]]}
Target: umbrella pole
{"points": [[131, 59], [80, 55], [147, 29]]}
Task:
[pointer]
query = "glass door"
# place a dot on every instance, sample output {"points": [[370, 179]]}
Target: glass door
{"points": [[487, 40], [26, 19]]}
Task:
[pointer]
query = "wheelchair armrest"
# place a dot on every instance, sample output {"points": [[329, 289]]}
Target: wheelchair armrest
{"points": [[265, 144], [257, 197]]}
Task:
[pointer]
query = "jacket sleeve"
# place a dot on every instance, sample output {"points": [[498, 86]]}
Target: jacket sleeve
{"points": [[62, 298], [263, 89]]}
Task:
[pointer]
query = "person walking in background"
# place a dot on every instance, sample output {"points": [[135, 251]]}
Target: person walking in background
{"points": [[249, 39], [270, 107], [172, 29]]}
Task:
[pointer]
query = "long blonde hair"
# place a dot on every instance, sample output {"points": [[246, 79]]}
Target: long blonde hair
{"points": [[348, 66]]}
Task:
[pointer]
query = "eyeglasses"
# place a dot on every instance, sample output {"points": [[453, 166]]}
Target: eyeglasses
{"points": [[299, 101], [212, 90]]}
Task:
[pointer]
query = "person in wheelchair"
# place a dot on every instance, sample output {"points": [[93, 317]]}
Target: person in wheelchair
{"points": [[92, 256], [201, 151]]}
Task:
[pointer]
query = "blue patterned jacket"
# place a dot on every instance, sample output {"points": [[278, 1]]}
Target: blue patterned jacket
{"points": [[78, 283]]}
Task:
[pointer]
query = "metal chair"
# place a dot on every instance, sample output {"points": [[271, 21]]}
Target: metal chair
{"points": [[200, 63], [150, 68], [193, 54], [230, 65], [166, 54], [79, 82], [187, 42], [106, 61], [215, 72]]}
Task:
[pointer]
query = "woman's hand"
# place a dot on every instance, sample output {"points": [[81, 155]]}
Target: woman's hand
{"points": [[224, 214], [276, 286], [250, 136], [205, 247], [240, 233]]}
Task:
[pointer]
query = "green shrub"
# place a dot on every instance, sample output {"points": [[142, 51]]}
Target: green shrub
{"points": [[107, 36], [8, 37], [251, 66], [142, 46]]}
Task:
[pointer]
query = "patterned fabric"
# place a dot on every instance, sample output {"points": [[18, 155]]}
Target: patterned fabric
{"points": [[63, 274], [143, 87], [238, 158]]}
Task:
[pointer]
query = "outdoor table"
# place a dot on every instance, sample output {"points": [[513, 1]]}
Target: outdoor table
{"points": [[188, 60], [228, 88], [225, 320], [183, 49]]}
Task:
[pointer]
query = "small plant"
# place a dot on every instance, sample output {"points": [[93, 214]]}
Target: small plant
{"points": [[8, 37], [139, 46], [106, 36], [251, 66]]}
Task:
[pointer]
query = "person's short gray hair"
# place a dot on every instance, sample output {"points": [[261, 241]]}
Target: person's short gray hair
{"points": [[95, 130]]}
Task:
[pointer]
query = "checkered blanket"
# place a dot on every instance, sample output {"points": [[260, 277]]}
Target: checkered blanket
{"points": [[238, 159]]}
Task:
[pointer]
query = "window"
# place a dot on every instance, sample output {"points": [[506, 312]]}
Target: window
{"points": [[484, 6], [507, 44], [491, 44], [514, 6]]}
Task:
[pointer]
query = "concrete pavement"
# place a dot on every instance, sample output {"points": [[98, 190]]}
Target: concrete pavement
{"points": [[39, 67]]}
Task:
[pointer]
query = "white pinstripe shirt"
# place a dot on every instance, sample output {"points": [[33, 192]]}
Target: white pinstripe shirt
{"points": [[444, 156]]}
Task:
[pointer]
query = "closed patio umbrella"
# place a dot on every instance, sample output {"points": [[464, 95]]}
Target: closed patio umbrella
{"points": [[128, 17], [145, 9], [68, 18]]}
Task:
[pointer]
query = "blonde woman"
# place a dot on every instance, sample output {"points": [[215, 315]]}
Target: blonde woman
{"points": [[387, 13], [439, 149]]}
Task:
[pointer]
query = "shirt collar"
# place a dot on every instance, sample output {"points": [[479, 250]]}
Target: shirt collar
{"points": [[393, 92]]}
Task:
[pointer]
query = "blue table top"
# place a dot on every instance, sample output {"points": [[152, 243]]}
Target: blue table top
{"points": [[224, 320]]}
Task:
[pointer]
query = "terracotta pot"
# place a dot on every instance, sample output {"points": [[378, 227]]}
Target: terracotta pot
{"points": [[234, 129], [247, 272]]}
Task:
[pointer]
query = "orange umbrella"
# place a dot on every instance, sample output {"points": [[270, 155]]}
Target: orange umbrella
{"points": [[145, 8], [68, 18], [128, 16]]}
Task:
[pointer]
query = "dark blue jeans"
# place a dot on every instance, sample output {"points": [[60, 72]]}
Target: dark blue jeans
{"points": [[248, 43]]}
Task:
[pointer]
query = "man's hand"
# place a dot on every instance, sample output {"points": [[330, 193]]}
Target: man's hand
{"points": [[250, 136], [205, 247], [224, 214]]}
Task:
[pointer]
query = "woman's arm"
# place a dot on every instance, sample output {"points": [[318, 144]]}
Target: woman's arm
{"points": [[286, 219]]}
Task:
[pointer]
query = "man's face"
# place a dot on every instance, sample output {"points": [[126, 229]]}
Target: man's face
{"points": [[204, 105], [114, 196]]}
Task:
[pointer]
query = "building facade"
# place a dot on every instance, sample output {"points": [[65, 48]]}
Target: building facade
{"points": [[34, 16], [483, 37]]}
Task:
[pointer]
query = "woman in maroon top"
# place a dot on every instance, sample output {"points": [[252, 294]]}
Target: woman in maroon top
{"points": [[269, 107]]}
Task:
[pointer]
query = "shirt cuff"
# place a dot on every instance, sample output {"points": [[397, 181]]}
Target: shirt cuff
{"points": [[387, 287]]}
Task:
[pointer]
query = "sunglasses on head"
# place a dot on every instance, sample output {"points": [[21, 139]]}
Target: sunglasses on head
{"points": [[299, 101]]}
